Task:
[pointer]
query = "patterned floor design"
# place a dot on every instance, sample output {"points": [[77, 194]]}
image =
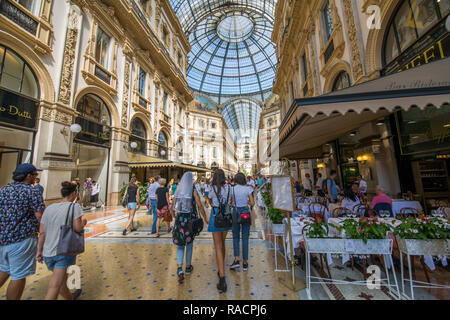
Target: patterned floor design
{"points": [[143, 271]]}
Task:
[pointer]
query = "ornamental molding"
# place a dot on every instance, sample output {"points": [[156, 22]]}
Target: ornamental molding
{"points": [[354, 43], [126, 94], [65, 87], [57, 113]]}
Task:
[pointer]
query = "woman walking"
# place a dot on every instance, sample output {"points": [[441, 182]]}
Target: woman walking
{"points": [[162, 207], [133, 203], [49, 233], [243, 201], [219, 194], [186, 205]]}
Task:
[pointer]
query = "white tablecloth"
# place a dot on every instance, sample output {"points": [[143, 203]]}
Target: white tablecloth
{"points": [[398, 204], [305, 208]]}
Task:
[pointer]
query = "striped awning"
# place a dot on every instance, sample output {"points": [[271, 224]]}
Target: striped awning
{"points": [[143, 161]]}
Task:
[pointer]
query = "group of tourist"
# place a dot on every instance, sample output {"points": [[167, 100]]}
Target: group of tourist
{"points": [[352, 196], [30, 232], [222, 195], [182, 201], [89, 197]]}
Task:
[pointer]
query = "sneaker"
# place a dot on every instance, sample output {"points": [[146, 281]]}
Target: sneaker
{"points": [[180, 275], [189, 269], [235, 265], [222, 285], [76, 294], [124, 232], [245, 266]]}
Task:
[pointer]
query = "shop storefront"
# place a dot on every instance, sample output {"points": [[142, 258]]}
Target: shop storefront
{"points": [[424, 150], [91, 146], [19, 103]]}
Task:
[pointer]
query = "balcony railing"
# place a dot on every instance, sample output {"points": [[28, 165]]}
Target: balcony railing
{"points": [[142, 103], [138, 10], [19, 17], [102, 75]]}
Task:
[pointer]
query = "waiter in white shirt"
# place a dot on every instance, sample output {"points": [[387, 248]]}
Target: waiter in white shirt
{"points": [[94, 194], [362, 185]]}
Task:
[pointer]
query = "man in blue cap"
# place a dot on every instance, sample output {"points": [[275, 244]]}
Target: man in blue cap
{"points": [[21, 209]]}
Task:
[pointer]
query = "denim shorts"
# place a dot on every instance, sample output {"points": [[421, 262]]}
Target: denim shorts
{"points": [[211, 226], [131, 205], [19, 259], [59, 262]]}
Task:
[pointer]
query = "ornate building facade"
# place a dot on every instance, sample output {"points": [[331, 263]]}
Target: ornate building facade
{"points": [[334, 53], [116, 68]]}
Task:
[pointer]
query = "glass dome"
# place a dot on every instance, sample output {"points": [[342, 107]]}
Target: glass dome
{"points": [[232, 53], [242, 117]]}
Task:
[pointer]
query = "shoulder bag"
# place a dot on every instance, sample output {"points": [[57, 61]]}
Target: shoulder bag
{"points": [[125, 199], [242, 216], [70, 242]]}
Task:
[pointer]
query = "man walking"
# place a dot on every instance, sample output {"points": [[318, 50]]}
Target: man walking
{"points": [[94, 194], [151, 195], [21, 208], [332, 188]]}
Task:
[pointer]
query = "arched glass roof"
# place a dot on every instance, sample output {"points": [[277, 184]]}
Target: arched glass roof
{"points": [[242, 117], [232, 52]]}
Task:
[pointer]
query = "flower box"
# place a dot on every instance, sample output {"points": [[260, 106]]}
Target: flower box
{"points": [[348, 246], [423, 247], [278, 228]]}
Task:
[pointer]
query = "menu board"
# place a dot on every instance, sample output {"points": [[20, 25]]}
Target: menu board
{"points": [[282, 193]]}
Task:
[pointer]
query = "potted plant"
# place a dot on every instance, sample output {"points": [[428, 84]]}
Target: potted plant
{"points": [[363, 236], [423, 236], [275, 215]]}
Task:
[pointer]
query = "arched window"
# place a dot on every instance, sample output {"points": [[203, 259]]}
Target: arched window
{"points": [[179, 148], [138, 135], [94, 119], [163, 146], [342, 81], [16, 75], [412, 20]]}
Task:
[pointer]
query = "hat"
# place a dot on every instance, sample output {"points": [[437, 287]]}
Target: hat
{"points": [[26, 168]]}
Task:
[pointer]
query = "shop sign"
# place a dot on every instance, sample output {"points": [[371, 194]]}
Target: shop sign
{"points": [[17, 110], [431, 47], [93, 132]]}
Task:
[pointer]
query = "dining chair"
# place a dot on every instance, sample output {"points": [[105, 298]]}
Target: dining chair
{"points": [[446, 211], [317, 210], [341, 212], [442, 203], [361, 210], [406, 212]]}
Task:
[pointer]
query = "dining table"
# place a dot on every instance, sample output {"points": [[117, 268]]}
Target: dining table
{"points": [[399, 204]]}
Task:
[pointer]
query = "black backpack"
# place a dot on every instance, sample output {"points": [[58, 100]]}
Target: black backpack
{"points": [[223, 218]]}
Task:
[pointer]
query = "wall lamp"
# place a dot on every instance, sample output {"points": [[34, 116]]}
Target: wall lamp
{"points": [[74, 128], [363, 159]]}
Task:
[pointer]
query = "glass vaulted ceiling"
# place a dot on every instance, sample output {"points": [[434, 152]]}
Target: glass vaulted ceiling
{"points": [[232, 55]]}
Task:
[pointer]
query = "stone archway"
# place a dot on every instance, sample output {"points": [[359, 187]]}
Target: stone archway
{"points": [[47, 89], [102, 94], [334, 72], [375, 38]]}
